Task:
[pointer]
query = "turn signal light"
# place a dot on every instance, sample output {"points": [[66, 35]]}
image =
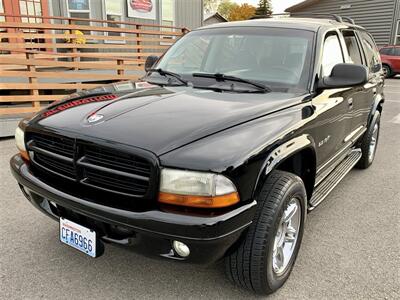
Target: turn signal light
{"points": [[199, 201], [24, 155]]}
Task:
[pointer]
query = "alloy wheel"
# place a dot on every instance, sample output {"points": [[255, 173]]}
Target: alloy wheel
{"points": [[286, 236], [373, 143]]}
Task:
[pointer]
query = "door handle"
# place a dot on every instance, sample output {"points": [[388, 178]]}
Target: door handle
{"points": [[350, 102]]}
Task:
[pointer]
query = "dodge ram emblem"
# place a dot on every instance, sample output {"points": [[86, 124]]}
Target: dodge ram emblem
{"points": [[94, 118]]}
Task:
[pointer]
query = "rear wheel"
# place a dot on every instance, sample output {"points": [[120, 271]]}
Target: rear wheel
{"points": [[264, 259], [369, 143]]}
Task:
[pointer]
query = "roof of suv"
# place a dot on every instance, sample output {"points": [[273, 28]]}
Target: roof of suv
{"points": [[312, 24]]}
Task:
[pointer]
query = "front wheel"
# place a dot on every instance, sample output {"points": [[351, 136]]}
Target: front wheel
{"points": [[265, 258]]}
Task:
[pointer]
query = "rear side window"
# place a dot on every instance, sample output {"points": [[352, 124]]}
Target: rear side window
{"points": [[371, 52], [331, 55], [397, 51], [387, 51], [352, 47]]}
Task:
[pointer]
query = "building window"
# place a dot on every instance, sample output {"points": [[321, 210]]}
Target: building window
{"points": [[397, 37], [79, 9], [31, 8], [78, 5], [168, 12], [2, 18], [167, 19], [113, 12]]}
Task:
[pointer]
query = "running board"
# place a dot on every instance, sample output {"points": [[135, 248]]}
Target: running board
{"points": [[333, 179]]}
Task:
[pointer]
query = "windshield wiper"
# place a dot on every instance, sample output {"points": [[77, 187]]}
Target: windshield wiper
{"points": [[168, 73], [223, 77]]}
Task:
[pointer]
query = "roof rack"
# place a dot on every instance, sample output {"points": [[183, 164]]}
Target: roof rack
{"points": [[348, 19], [335, 17]]}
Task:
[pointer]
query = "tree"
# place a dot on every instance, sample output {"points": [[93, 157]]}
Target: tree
{"points": [[211, 6], [242, 12], [264, 8], [225, 8]]}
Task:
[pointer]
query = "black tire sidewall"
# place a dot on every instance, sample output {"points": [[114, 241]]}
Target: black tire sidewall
{"points": [[389, 71], [274, 281], [364, 162]]}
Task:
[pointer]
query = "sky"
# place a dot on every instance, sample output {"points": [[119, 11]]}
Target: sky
{"points": [[278, 5]]}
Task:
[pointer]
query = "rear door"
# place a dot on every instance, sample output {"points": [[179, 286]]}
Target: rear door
{"points": [[374, 87], [359, 97]]}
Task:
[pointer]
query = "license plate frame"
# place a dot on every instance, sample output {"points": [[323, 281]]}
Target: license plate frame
{"points": [[78, 237]]}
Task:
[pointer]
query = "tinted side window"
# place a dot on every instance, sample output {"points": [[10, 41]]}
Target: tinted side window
{"points": [[386, 51], [371, 52], [352, 47], [331, 55], [397, 51]]}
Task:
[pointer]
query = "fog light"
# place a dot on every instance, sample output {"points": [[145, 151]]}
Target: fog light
{"points": [[181, 249]]}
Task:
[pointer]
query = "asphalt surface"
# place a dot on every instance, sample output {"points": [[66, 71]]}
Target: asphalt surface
{"points": [[351, 247]]}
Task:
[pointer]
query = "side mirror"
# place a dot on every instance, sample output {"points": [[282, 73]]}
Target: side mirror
{"points": [[345, 75], [150, 61]]}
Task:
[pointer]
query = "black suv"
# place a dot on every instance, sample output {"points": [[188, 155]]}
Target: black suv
{"points": [[220, 151]]}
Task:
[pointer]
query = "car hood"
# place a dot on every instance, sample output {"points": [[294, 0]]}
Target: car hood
{"points": [[155, 118]]}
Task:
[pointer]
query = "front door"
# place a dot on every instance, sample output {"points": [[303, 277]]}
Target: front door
{"points": [[333, 110]]}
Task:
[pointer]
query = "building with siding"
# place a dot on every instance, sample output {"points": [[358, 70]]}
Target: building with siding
{"points": [[215, 18], [179, 13], [380, 17]]}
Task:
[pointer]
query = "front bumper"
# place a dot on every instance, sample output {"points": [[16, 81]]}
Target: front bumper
{"points": [[150, 232]]}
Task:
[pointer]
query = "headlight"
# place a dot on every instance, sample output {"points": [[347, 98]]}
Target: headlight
{"points": [[196, 189], [20, 142]]}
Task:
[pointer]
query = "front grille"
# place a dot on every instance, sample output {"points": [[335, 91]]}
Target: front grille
{"points": [[92, 167], [59, 145], [52, 164], [53, 154], [122, 173], [119, 161]]}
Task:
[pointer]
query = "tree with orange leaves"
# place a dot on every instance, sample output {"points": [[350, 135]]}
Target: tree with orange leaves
{"points": [[242, 12]]}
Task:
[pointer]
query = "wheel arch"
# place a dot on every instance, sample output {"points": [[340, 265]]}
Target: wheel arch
{"points": [[377, 106], [296, 156]]}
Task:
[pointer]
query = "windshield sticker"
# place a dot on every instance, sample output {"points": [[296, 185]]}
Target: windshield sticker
{"points": [[123, 86], [144, 85]]}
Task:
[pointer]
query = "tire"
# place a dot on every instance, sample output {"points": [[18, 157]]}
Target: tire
{"points": [[387, 71], [370, 136], [251, 265]]}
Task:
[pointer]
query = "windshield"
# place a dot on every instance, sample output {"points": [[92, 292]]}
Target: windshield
{"points": [[279, 58]]}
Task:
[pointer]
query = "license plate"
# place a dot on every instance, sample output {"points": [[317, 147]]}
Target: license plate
{"points": [[78, 237]]}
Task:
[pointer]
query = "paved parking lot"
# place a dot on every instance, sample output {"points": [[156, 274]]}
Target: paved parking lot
{"points": [[351, 247]]}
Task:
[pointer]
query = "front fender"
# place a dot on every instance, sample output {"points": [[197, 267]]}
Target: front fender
{"points": [[240, 153], [283, 152]]}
